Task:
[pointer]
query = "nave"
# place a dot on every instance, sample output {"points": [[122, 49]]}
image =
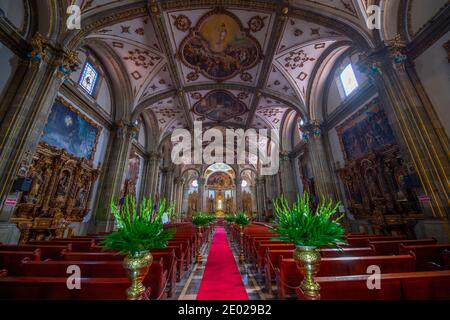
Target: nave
{"points": [[412, 269]]}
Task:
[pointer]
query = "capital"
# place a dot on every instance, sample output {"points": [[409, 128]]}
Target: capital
{"points": [[311, 129]]}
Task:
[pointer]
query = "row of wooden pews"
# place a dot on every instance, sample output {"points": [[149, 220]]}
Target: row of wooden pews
{"points": [[410, 269], [39, 269]]}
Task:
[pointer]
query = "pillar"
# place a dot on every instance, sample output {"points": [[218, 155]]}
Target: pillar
{"points": [[151, 168], [238, 193], [201, 193], [287, 177], [320, 161], [112, 176]]}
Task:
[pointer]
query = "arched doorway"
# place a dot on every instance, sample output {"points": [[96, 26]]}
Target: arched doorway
{"points": [[220, 189]]}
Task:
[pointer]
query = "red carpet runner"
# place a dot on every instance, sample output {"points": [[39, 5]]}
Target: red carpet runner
{"points": [[221, 279]]}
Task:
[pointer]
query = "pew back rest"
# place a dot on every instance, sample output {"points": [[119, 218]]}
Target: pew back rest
{"points": [[77, 246], [11, 260], [425, 254], [47, 251], [383, 247]]}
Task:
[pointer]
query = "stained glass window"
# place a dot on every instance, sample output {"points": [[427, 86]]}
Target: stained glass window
{"points": [[348, 80], [89, 78]]}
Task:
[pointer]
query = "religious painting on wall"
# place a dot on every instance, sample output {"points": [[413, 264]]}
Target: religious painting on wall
{"points": [[67, 129], [219, 47], [367, 130], [220, 180], [219, 105]]}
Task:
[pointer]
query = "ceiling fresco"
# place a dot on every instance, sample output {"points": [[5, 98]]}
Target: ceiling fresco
{"points": [[240, 64]]}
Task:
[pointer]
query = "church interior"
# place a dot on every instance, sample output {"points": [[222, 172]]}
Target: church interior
{"points": [[355, 96]]}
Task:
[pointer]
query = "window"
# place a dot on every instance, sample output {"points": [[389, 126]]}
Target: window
{"points": [[89, 78], [244, 184], [348, 80], [195, 183]]}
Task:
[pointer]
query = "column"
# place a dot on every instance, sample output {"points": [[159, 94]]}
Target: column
{"points": [[260, 198], [238, 193], [419, 132], [24, 112], [151, 168], [112, 176], [320, 163], [201, 193], [287, 177]]}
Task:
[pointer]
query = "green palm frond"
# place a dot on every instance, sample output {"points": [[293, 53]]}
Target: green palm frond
{"points": [[138, 230], [303, 227], [241, 219]]}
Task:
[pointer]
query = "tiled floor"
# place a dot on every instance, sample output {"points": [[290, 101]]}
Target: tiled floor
{"points": [[188, 287]]}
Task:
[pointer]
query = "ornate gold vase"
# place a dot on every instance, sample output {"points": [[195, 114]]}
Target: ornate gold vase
{"points": [[307, 260], [199, 257], [241, 234], [137, 267]]}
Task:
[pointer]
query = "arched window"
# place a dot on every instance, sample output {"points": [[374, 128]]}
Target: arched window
{"points": [[89, 78], [348, 80]]}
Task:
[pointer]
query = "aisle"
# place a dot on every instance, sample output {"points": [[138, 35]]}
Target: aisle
{"points": [[221, 279]]}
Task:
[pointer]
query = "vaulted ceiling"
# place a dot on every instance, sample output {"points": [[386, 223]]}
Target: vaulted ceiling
{"points": [[243, 64]]}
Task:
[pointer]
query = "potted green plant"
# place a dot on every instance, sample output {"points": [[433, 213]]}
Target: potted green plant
{"points": [[309, 230], [139, 231], [241, 219]]}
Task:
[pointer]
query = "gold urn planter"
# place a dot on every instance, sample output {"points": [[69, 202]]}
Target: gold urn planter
{"points": [[241, 238], [308, 260], [137, 267]]}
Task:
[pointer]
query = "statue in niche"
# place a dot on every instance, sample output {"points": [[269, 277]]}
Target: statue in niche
{"points": [[374, 188], [61, 190], [34, 194], [247, 202], [192, 203], [80, 198]]}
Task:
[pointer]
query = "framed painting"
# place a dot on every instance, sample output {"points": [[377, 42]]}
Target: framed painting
{"points": [[71, 131], [366, 130]]}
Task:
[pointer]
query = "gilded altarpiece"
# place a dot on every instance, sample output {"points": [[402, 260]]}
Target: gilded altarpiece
{"points": [[379, 185], [62, 183]]}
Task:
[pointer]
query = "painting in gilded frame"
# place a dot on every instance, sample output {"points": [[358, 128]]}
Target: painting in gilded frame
{"points": [[367, 130], [69, 130]]}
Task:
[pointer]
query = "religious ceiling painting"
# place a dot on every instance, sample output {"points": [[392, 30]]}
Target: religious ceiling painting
{"points": [[219, 47], [69, 130], [219, 105], [220, 180], [365, 131]]}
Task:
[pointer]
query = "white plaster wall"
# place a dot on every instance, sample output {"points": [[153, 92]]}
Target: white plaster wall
{"points": [[422, 11], [14, 11], [104, 97], [8, 62], [433, 70]]}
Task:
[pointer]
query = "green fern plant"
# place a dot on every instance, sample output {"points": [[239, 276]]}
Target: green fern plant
{"points": [[138, 230], [303, 227], [241, 219], [200, 219], [229, 217]]}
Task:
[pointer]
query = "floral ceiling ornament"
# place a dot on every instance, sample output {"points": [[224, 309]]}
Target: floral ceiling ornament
{"points": [[142, 58], [219, 47], [182, 22], [219, 105], [256, 23], [297, 59]]}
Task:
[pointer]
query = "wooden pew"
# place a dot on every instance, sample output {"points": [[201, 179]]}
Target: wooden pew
{"points": [[384, 248], [262, 251], [169, 261], [425, 254], [47, 251], [272, 259], [394, 286], [46, 288], [77, 246], [288, 276], [11, 260], [364, 241], [155, 279]]}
